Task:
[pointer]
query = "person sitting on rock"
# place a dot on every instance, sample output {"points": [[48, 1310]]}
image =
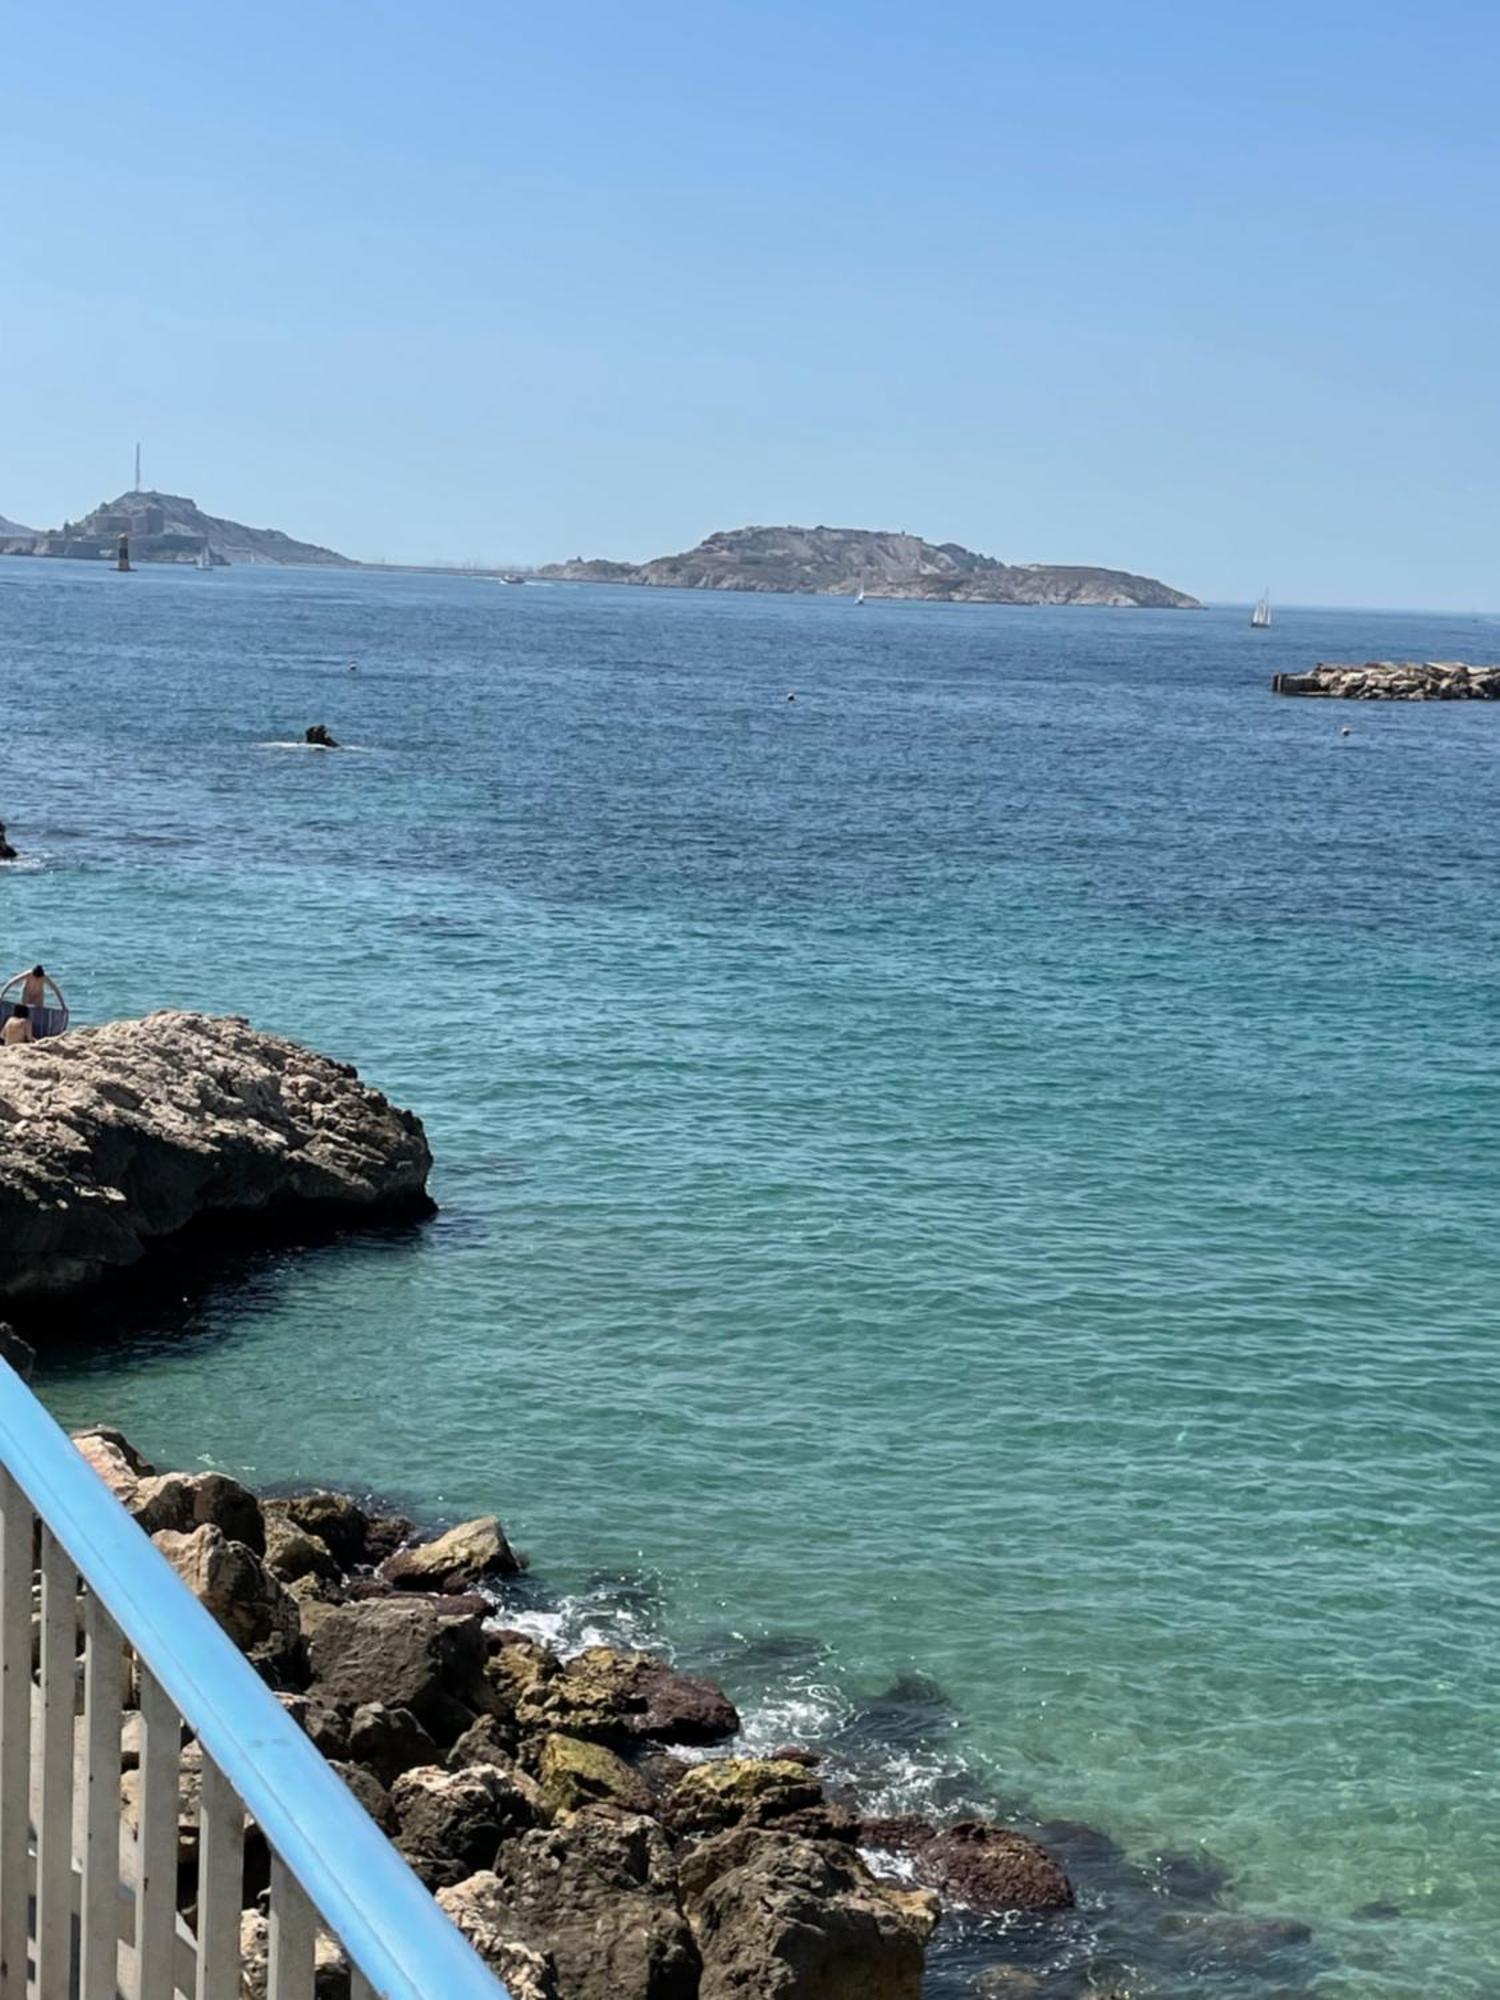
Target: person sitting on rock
{"points": [[18, 1028]]}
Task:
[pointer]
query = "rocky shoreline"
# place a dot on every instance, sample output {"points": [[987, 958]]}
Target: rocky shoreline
{"points": [[1394, 680], [588, 1822], [597, 1824]]}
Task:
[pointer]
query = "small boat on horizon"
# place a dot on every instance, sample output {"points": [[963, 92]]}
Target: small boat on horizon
{"points": [[859, 595], [205, 557], [1260, 617]]}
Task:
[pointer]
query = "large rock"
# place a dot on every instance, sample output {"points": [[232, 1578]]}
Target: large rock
{"points": [[789, 1919], [740, 1791], [456, 1561], [598, 1897], [115, 1459], [388, 1741], [232, 1582], [575, 1774], [449, 1823], [292, 1554], [618, 1697], [341, 1524], [187, 1500], [113, 1139], [405, 1653], [477, 1907]]}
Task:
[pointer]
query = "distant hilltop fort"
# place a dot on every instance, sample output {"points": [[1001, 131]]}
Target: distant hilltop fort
{"points": [[164, 528]]}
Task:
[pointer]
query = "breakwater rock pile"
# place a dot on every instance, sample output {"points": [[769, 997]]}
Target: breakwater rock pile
{"points": [[585, 1821], [116, 1141], [1395, 680]]}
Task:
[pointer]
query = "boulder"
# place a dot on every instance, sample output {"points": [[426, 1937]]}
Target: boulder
{"points": [[406, 1654], [388, 1741], [518, 1669], [739, 1791], [478, 1908], [576, 1774], [340, 1523], [991, 1868], [599, 1897], [115, 1459], [330, 1963], [292, 1554], [791, 1919], [317, 734], [231, 1582], [368, 1789], [456, 1561], [487, 1741], [114, 1139], [449, 1823], [7, 852], [183, 1501], [325, 1724], [617, 1697]]}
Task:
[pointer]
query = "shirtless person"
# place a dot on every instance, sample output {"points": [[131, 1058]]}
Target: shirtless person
{"points": [[17, 1028]]}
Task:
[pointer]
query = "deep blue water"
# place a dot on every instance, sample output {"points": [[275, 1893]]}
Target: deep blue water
{"points": [[985, 1171]]}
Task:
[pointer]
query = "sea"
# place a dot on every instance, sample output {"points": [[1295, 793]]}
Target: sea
{"points": [[966, 1151]]}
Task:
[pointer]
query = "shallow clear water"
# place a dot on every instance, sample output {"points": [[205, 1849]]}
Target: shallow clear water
{"points": [[985, 1170]]}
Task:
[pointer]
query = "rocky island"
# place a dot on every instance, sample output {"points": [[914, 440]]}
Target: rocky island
{"points": [[166, 528], [115, 1141], [1395, 680], [845, 562]]}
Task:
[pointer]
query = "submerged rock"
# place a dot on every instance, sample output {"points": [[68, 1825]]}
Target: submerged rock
{"points": [[115, 1139], [7, 852]]}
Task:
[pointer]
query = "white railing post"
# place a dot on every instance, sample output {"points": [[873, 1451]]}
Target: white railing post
{"points": [[54, 1824], [16, 1535], [221, 1868], [156, 1842], [99, 1921]]}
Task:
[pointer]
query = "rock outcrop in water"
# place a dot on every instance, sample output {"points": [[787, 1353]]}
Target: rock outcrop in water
{"points": [[115, 1140], [842, 562], [1395, 680]]}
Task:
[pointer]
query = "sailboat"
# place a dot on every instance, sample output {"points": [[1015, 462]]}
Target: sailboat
{"points": [[1260, 617], [205, 558], [859, 595]]}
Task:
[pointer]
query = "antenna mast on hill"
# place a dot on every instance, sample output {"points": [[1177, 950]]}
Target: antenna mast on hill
{"points": [[137, 486]]}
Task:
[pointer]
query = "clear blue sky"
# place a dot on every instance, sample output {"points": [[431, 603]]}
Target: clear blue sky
{"points": [[1204, 290]]}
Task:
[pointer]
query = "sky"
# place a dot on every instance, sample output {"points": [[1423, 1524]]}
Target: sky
{"points": [[1199, 290]]}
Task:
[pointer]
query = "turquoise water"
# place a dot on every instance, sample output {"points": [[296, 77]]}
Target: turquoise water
{"points": [[986, 1170]]}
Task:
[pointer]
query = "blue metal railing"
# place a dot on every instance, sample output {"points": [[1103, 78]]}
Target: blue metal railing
{"points": [[359, 1886]]}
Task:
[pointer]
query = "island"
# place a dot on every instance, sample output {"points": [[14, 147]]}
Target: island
{"points": [[1394, 680], [166, 528], [869, 562]]}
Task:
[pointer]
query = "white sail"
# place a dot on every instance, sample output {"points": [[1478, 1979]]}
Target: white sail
{"points": [[1261, 615]]}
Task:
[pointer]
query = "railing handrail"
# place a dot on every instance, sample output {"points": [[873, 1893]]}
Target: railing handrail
{"points": [[359, 1885]]}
